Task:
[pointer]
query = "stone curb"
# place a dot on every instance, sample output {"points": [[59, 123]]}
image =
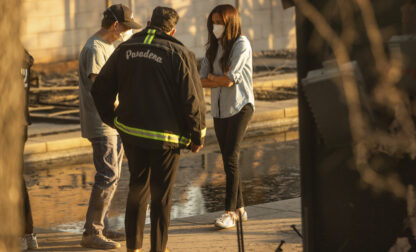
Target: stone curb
{"points": [[283, 80]]}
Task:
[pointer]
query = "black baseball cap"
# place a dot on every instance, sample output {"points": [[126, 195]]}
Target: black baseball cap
{"points": [[123, 14]]}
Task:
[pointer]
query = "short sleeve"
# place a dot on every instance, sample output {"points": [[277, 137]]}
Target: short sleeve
{"points": [[95, 60], [204, 71], [238, 59]]}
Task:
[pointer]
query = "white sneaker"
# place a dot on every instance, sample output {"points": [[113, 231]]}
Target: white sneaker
{"points": [[23, 244], [226, 221], [31, 241]]}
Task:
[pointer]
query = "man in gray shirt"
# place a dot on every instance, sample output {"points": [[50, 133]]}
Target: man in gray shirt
{"points": [[106, 143]]}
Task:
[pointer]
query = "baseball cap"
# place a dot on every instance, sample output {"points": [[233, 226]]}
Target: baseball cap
{"points": [[123, 15]]}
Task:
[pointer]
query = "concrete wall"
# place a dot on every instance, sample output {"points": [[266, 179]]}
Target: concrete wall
{"points": [[56, 30]]}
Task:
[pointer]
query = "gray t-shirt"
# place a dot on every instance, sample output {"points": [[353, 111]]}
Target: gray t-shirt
{"points": [[92, 58]]}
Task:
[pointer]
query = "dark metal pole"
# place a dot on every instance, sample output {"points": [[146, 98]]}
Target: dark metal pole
{"points": [[240, 233], [307, 131], [132, 5]]}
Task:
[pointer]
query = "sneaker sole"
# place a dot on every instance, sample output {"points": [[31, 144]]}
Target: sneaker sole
{"points": [[97, 247], [223, 227], [118, 239]]}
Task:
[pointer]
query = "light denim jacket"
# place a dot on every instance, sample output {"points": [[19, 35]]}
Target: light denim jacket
{"points": [[228, 101]]}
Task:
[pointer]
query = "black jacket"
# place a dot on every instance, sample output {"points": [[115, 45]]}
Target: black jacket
{"points": [[161, 98], [25, 70]]}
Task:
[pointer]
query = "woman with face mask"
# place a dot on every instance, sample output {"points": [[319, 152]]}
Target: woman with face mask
{"points": [[227, 70]]}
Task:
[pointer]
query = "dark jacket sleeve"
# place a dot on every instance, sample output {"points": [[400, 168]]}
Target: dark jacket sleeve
{"points": [[192, 96], [104, 90], [27, 60], [27, 64]]}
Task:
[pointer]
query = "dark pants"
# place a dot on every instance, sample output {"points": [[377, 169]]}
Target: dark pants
{"points": [[230, 132], [27, 211], [152, 173], [28, 220]]}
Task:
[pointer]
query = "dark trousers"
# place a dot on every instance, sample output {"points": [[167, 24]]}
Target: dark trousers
{"points": [[230, 132], [27, 211], [28, 220], [152, 173]]}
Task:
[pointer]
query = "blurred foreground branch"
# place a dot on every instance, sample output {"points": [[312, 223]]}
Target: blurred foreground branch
{"points": [[399, 139]]}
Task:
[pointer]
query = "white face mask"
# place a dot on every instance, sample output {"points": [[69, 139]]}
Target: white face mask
{"points": [[124, 35], [218, 30]]}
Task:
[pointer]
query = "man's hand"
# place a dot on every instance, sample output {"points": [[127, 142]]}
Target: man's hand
{"points": [[116, 103], [195, 148]]}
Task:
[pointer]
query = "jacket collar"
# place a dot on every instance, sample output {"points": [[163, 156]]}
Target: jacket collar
{"points": [[159, 34]]}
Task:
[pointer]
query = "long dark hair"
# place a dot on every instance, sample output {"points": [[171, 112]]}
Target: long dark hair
{"points": [[232, 31]]}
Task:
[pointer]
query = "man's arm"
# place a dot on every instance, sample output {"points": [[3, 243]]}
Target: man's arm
{"points": [[104, 90], [94, 61], [193, 101], [92, 79]]}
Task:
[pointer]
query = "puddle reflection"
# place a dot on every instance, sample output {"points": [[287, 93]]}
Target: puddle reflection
{"points": [[269, 170]]}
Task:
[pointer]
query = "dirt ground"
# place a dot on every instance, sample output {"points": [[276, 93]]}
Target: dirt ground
{"points": [[63, 74], [276, 94]]}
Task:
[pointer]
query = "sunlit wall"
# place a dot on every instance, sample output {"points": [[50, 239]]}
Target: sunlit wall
{"points": [[56, 30]]}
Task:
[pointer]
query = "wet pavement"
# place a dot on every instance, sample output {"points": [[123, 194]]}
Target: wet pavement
{"points": [[269, 168], [267, 227]]}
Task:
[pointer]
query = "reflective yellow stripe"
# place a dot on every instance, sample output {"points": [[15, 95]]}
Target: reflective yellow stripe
{"points": [[150, 36], [145, 40], [203, 132], [185, 141], [154, 135]]}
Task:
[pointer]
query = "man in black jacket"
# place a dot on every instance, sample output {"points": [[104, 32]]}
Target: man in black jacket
{"points": [[161, 110], [29, 240]]}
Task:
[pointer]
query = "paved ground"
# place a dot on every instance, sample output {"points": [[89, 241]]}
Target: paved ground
{"points": [[267, 226]]}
